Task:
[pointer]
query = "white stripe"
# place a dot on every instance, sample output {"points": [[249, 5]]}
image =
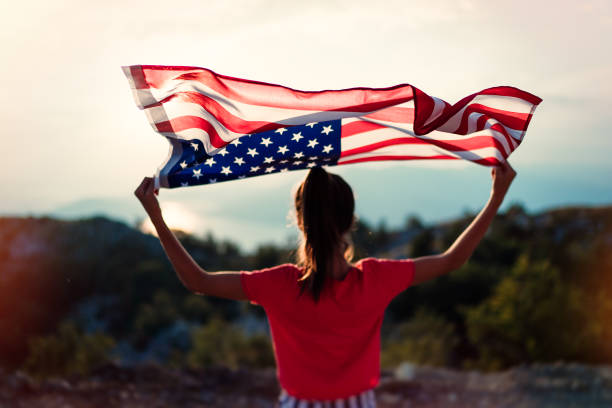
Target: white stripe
{"points": [[426, 151], [372, 398], [364, 400], [502, 102]]}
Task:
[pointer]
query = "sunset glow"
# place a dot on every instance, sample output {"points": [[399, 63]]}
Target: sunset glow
{"points": [[177, 217]]}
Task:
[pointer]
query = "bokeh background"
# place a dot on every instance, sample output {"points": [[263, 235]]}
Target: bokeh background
{"points": [[83, 283]]}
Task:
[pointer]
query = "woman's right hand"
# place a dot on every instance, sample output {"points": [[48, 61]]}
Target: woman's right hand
{"points": [[146, 194], [502, 178]]}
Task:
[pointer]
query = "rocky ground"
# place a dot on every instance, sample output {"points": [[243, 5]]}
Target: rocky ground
{"points": [[553, 385]]}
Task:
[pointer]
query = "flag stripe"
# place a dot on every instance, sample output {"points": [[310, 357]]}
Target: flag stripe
{"points": [[273, 95], [404, 152], [472, 143]]}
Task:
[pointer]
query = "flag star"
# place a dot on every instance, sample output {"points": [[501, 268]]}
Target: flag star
{"points": [[222, 152], [327, 148], [283, 161], [225, 170], [327, 130], [252, 152], [209, 162], [283, 149], [239, 161], [184, 184], [236, 142], [197, 173], [212, 180], [266, 141], [312, 143], [311, 124], [298, 162], [254, 169], [270, 169], [183, 164], [284, 170], [298, 155], [311, 164], [297, 136], [241, 177], [269, 159], [195, 146], [280, 130], [313, 158]]}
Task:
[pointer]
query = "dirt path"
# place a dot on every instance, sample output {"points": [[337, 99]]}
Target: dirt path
{"points": [[555, 385]]}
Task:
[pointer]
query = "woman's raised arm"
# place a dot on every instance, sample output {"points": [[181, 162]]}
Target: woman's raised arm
{"points": [[429, 267], [221, 284]]}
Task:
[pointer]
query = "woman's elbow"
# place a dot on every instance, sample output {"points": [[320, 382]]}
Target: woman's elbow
{"points": [[453, 261]]}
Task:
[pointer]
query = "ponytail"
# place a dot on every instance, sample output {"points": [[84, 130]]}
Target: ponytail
{"points": [[324, 205]]}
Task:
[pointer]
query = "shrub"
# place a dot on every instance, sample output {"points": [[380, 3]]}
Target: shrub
{"points": [[68, 351], [425, 339], [533, 315], [219, 343]]}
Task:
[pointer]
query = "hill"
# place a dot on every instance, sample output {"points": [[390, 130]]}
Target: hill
{"points": [[536, 290]]}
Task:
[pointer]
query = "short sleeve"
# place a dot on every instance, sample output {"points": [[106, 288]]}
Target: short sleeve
{"points": [[264, 286], [388, 277]]}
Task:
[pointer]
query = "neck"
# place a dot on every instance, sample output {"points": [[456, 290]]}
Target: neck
{"points": [[340, 268]]}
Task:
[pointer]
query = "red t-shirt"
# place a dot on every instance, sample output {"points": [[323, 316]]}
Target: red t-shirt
{"points": [[329, 349]]}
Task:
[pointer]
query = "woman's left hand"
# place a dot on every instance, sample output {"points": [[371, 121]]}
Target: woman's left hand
{"points": [[147, 195]]}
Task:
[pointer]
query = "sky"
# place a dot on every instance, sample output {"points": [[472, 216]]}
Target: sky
{"points": [[74, 143]]}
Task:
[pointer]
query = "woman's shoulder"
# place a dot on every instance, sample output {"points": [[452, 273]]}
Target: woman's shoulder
{"points": [[372, 263], [286, 268]]}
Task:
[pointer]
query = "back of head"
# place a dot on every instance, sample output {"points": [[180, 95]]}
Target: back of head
{"points": [[324, 207]]}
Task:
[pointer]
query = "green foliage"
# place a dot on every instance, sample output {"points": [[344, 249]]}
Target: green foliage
{"points": [[66, 352], [531, 316], [469, 285], [427, 339], [154, 316], [196, 308], [219, 343]]}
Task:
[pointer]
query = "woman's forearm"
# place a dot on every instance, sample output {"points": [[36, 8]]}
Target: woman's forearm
{"points": [[188, 271]]}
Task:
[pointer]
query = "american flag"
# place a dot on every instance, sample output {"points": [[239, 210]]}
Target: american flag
{"points": [[223, 128]]}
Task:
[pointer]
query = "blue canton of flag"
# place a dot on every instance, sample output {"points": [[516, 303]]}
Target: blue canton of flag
{"points": [[280, 150]]}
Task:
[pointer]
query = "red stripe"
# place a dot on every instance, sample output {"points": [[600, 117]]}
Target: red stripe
{"points": [[393, 114], [512, 91], [357, 127], [278, 96], [472, 143], [379, 158]]}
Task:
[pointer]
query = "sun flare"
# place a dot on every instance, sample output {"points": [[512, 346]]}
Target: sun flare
{"points": [[177, 217]]}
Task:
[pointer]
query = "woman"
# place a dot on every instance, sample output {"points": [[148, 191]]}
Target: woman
{"points": [[325, 314]]}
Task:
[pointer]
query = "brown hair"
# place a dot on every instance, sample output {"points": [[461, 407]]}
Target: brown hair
{"points": [[324, 206]]}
